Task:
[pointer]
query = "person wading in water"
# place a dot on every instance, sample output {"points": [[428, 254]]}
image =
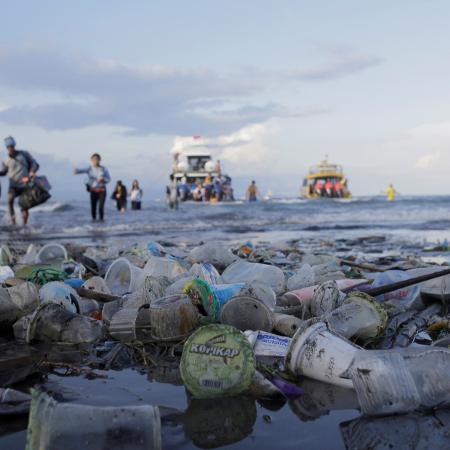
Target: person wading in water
{"points": [[20, 166], [98, 178]]}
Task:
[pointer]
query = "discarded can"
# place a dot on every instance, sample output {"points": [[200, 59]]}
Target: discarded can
{"points": [[56, 426], [247, 313], [173, 318], [217, 361], [320, 354]]}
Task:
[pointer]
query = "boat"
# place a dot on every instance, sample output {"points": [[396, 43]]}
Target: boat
{"points": [[199, 177], [325, 180]]}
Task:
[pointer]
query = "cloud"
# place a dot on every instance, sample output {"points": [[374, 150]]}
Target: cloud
{"points": [[344, 62], [77, 92], [428, 160]]}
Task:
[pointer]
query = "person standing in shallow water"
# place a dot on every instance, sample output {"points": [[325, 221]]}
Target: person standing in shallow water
{"points": [[120, 196], [98, 178], [20, 166], [172, 193], [252, 192], [135, 196]]}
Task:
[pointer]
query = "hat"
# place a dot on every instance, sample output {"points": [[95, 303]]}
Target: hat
{"points": [[10, 142]]}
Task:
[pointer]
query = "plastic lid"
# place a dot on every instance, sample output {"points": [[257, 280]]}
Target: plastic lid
{"points": [[217, 361]]}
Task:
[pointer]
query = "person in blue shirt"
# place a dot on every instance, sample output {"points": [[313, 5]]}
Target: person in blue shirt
{"points": [[98, 178]]}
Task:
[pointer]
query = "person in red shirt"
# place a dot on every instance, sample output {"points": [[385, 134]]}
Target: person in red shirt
{"points": [[339, 189], [318, 188], [329, 188]]}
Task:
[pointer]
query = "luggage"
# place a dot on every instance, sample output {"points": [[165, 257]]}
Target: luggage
{"points": [[36, 194]]}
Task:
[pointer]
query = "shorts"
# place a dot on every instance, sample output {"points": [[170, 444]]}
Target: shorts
{"points": [[13, 192]]}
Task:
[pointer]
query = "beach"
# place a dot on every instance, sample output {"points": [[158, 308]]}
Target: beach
{"points": [[366, 227]]}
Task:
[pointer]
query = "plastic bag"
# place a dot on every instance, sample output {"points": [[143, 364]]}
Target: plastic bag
{"points": [[247, 272], [214, 252], [303, 278]]}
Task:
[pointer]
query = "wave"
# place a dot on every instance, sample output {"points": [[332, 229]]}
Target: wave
{"points": [[53, 207], [46, 207]]}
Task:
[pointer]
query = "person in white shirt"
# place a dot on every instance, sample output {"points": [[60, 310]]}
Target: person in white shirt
{"points": [[136, 195], [98, 177]]}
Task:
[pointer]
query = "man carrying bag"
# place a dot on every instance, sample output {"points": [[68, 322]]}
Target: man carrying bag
{"points": [[21, 169]]}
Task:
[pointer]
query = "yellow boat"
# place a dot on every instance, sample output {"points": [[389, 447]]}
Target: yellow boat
{"points": [[325, 181]]}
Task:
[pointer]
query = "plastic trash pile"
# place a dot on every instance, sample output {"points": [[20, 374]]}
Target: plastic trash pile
{"points": [[265, 321]]}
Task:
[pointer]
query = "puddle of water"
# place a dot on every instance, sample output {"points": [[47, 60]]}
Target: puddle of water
{"points": [[238, 423]]}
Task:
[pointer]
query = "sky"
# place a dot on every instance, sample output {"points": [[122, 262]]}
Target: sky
{"points": [[276, 85]]}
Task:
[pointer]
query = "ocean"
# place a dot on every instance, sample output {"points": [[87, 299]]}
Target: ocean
{"points": [[418, 220], [325, 416]]}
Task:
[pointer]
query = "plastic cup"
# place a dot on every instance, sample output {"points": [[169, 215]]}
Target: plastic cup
{"points": [[317, 353], [122, 276], [51, 253]]}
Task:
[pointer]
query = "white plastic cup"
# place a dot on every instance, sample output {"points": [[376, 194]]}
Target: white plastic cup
{"points": [[51, 253], [317, 353], [122, 277]]}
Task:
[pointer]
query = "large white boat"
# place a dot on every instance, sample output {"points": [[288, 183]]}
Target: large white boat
{"points": [[199, 177]]}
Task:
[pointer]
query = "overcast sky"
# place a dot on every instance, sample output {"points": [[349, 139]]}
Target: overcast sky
{"points": [[277, 85]]}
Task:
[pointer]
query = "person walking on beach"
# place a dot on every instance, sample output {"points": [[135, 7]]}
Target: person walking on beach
{"points": [[120, 196], [20, 166], [135, 195], [98, 178], [172, 193], [252, 192]]}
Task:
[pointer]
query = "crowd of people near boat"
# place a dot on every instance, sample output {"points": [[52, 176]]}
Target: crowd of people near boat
{"points": [[210, 189], [328, 188]]}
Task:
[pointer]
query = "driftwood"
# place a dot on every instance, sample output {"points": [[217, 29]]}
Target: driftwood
{"points": [[405, 283], [364, 266], [95, 295]]}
